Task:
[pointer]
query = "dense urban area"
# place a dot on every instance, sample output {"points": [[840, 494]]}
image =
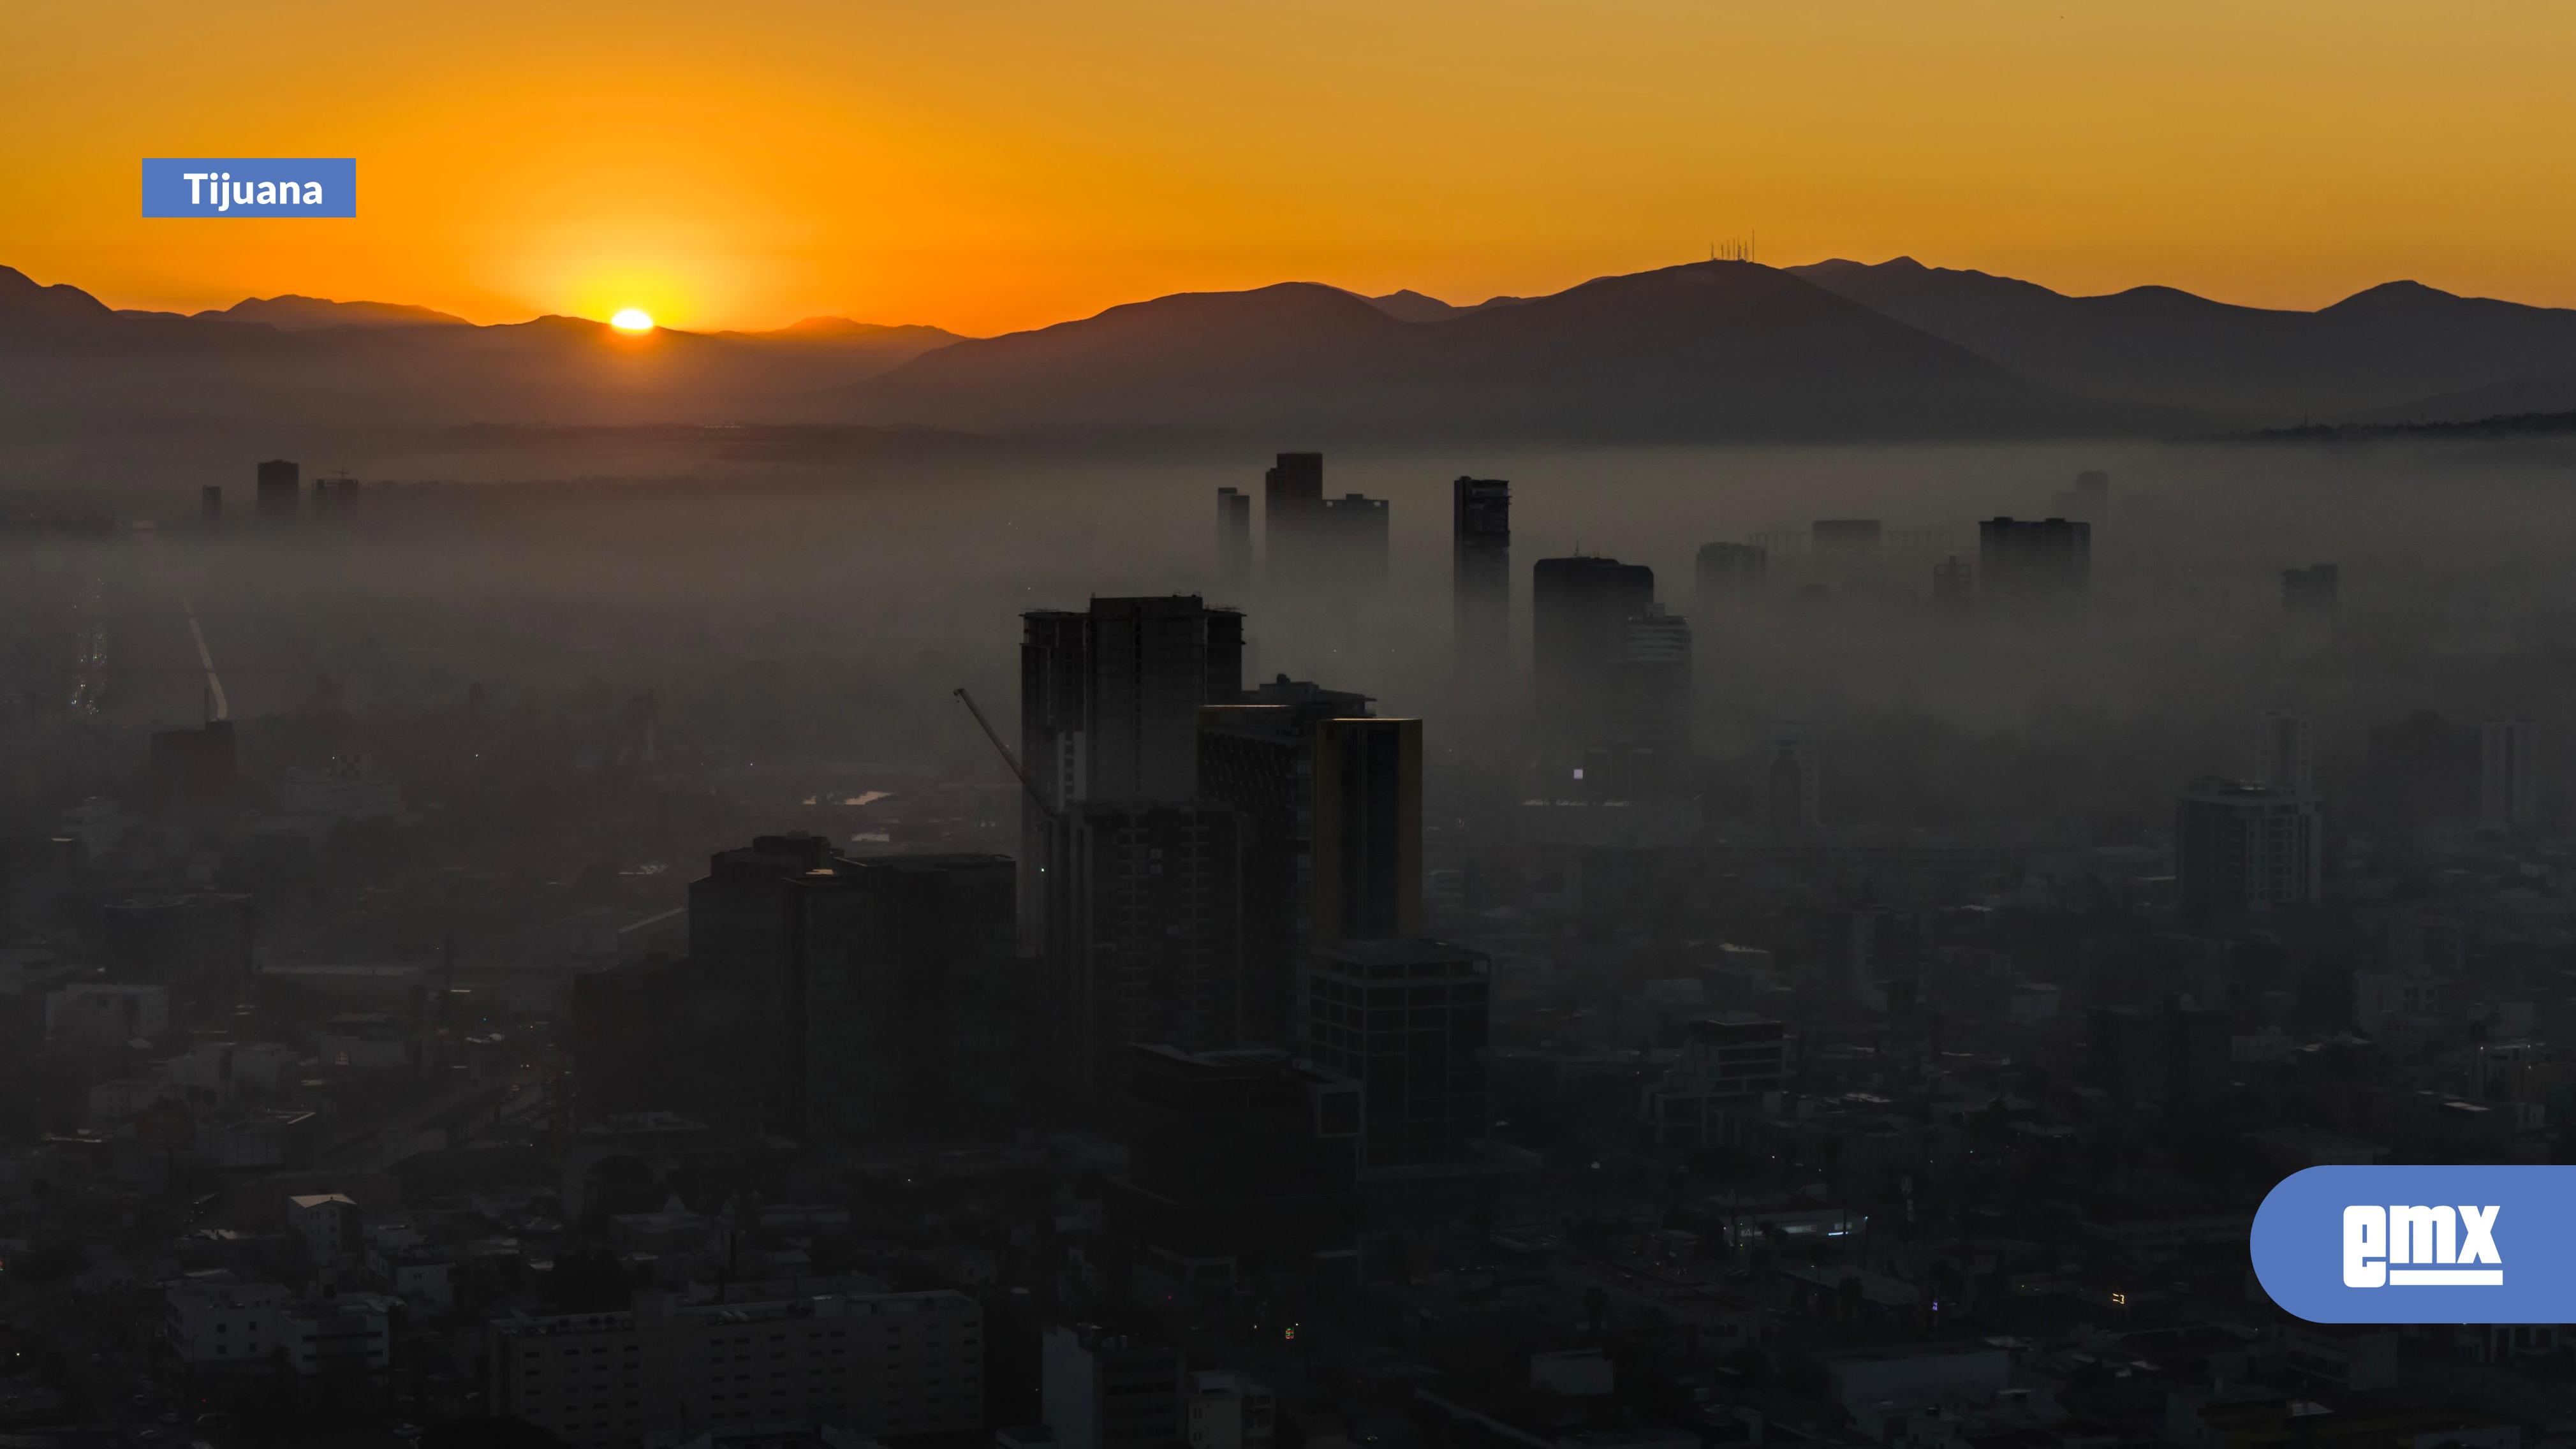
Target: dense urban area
{"points": [[412, 1033]]}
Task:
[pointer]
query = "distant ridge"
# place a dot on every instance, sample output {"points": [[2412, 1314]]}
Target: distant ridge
{"points": [[2381, 348]]}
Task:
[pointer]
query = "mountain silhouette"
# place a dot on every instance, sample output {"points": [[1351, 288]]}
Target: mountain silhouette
{"points": [[2377, 349], [1704, 350], [80, 364], [291, 313]]}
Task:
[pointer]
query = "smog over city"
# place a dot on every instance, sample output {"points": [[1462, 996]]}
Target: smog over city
{"points": [[1571, 728]]}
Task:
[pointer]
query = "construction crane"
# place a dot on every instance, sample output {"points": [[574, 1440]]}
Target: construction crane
{"points": [[1007, 757]]}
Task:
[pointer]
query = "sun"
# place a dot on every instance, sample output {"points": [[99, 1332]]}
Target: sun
{"points": [[633, 319]]}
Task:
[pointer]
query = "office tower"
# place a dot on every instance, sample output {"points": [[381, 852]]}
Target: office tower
{"points": [[1793, 788], [281, 489], [2034, 568], [1844, 537], [1730, 1060], [1331, 804], [1954, 587], [862, 999], [1292, 510], [2508, 774], [1407, 1019], [1155, 945], [1579, 613], [1650, 694], [2241, 848], [1233, 534], [1480, 534], [1730, 576], [1247, 1155], [2285, 756], [1883, 951], [2308, 595], [210, 505], [1351, 533], [1228, 1410], [1102, 1389], [1109, 702]]}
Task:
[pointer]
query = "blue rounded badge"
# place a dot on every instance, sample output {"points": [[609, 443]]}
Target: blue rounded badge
{"points": [[2420, 1244]]}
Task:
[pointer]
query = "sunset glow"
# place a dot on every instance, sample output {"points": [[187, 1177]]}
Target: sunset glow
{"points": [[632, 319], [987, 168]]}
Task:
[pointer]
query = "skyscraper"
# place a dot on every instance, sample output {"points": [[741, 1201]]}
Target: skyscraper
{"points": [[1233, 534], [2034, 568], [1351, 539], [1579, 613], [1408, 1020], [2308, 596], [1730, 575], [1792, 787], [2508, 774], [210, 505], [1331, 802], [1292, 509], [1109, 702], [1480, 526], [2241, 848], [1155, 939], [2285, 752], [281, 489], [1650, 695], [1954, 587]]}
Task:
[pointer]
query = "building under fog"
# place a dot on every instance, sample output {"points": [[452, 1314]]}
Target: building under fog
{"points": [[2242, 848], [1579, 613], [2508, 774], [2034, 569], [1480, 530]]}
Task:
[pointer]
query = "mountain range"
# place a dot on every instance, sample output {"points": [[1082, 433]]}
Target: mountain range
{"points": [[1702, 351]]}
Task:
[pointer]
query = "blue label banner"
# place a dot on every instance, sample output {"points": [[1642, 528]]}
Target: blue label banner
{"points": [[2421, 1244], [250, 186]]}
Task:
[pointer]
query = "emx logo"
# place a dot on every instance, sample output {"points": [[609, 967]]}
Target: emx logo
{"points": [[2421, 1247], [2420, 1244]]}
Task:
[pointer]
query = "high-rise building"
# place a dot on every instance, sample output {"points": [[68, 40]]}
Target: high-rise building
{"points": [[1579, 613], [1730, 576], [1109, 702], [281, 489], [2508, 774], [1260, 758], [872, 998], [1104, 1389], [2308, 595], [2034, 568], [2242, 848], [1351, 531], [1954, 587], [1480, 517], [1883, 951], [1650, 694], [2285, 754], [1292, 511], [1408, 1020], [210, 505], [1155, 942], [1791, 785], [1247, 1155], [1233, 534]]}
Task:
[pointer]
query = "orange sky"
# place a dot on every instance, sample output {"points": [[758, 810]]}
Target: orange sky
{"points": [[989, 164]]}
